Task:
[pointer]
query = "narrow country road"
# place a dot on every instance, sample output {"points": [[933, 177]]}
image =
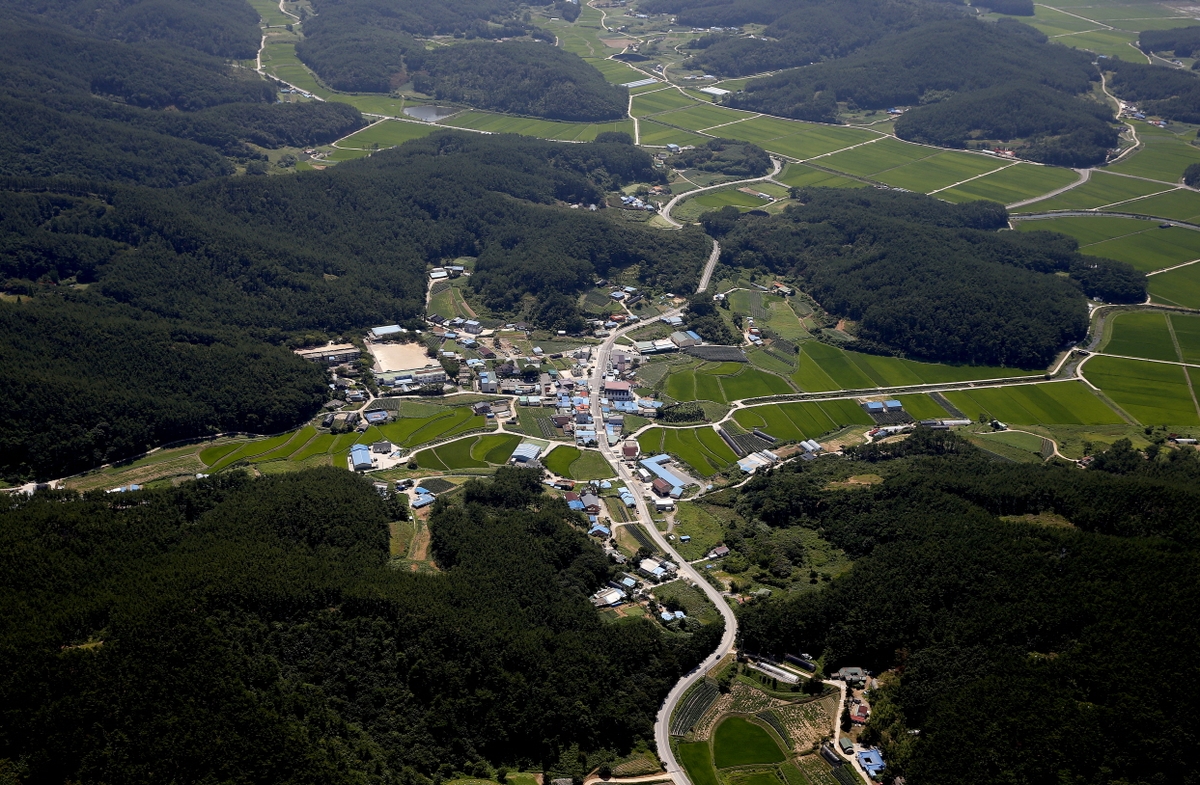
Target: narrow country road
{"points": [[776, 167], [662, 724], [706, 277]]}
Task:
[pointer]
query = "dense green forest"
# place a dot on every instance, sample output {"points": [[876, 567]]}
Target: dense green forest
{"points": [[1018, 648], [251, 263], [241, 631], [86, 383], [1052, 127], [1182, 41], [1157, 89], [1010, 7], [923, 65], [726, 156], [80, 106], [797, 33], [360, 45], [521, 78], [930, 279], [222, 28]]}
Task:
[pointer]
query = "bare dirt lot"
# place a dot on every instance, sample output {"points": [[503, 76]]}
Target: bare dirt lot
{"points": [[399, 356]]}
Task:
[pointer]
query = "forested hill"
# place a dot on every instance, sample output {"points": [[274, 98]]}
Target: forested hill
{"points": [[925, 64], [1052, 127], [932, 280], [146, 113], [1013, 646], [360, 45], [245, 631], [223, 28], [797, 33], [522, 78], [1158, 90], [228, 271]]}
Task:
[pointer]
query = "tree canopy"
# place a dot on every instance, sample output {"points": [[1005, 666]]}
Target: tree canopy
{"points": [[993, 629], [1157, 89], [930, 279]]}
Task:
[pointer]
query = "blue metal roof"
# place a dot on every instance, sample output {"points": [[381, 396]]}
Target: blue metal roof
{"points": [[654, 466]]}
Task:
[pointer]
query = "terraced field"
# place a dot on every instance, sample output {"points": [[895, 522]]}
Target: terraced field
{"points": [[472, 452], [723, 382], [576, 464]]}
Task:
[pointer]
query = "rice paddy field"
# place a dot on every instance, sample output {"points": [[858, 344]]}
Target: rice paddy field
{"points": [[799, 175], [802, 420], [698, 117], [723, 382], [696, 757], [1011, 184], [700, 448], [740, 742], [653, 133], [875, 157], [1180, 204], [1142, 244], [1187, 335], [1151, 393], [1143, 334], [1177, 287], [823, 367], [1056, 403], [386, 133], [661, 100], [473, 452], [529, 126], [939, 171], [576, 464], [1101, 189], [1164, 156]]}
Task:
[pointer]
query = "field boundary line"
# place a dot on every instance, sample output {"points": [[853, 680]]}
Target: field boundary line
{"points": [[1147, 359], [1169, 269], [1084, 176], [976, 177], [1136, 198]]}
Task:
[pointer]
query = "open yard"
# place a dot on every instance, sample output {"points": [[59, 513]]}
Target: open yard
{"points": [[400, 356], [1067, 403], [1151, 393], [706, 532]]}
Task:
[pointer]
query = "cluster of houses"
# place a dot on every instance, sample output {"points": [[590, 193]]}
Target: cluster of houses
{"points": [[449, 271], [634, 203], [664, 482]]}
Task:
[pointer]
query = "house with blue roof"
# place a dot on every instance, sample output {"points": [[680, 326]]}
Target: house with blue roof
{"points": [[872, 763], [360, 457], [655, 466]]}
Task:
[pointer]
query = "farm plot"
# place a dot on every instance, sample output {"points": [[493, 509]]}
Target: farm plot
{"points": [[922, 407], [576, 464], [708, 383], [1151, 393], [653, 133], [698, 118], [740, 742], [700, 448], [696, 758], [1058, 403], [877, 157], [411, 431], [939, 171], [1177, 287], [660, 101], [1088, 230], [1100, 189], [1187, 333], [1151, 249], [699, 698], [387, 133], [1111, 43], [1141, 334], [801, 176], [814, 141], [693, 601], [691, 209], [802, 420], [1011, 184], [545, 129], [1180, 204], [825, 367], [1164, 156], [808, 723]]}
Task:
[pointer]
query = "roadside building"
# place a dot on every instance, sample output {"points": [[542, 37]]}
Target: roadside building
{"points": [[360, 457], [333, 354]]}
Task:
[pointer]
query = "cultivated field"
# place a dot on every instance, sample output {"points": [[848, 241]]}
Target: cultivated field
{"points": [[1151, 393], [802, 420], [529, 126], [740, 742], [576, 464], [723, 382], [473, 452], [1177, 287], [1011, 184], [387, 133], [700, 448], [823, 367], [1067, 403], [1142, 334]]}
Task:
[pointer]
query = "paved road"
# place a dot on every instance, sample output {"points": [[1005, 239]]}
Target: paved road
{"points": [[662, 736], [776, 168], [706, 277]]}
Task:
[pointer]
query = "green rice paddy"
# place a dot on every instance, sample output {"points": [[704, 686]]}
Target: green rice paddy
{"points": [[823, 367], [698, 118], [576, 464], [870, 159], [1177, 287], [473, 452], [1163, 157], [938, 171], [700, 448], [1151, 393], [545, 129], [1142, 334], [1011, 184], [663, 100], [696, 757], [739, 742], [802, 420], [799, 175], [1180, 204], [1058, 403], [653, 133], [706, 383], [1101, 189], [1187, 334], [387, 133]]}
